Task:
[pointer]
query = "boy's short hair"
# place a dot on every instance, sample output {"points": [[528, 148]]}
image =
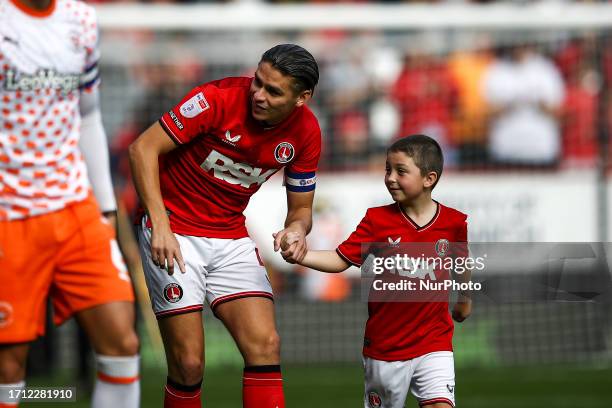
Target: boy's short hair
{"points": [[295, 61], [424, 151]]}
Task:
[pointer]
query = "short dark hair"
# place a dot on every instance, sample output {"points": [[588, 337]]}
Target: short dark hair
{"points": [[295, 61], [424, 151]]}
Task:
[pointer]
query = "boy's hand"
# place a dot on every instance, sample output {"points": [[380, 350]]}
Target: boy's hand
{"points": [[288, 239], [292, 244], [462, 310]]}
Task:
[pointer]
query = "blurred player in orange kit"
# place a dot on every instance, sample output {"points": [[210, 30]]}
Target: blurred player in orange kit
{"points": [[54, 241], [195, 171]]}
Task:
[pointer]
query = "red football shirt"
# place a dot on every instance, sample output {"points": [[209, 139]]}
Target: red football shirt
{"points": [[403, 330], [224, 156]]}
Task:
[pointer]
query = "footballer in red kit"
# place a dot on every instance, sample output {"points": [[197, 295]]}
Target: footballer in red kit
{"points": [[409, 329], [228, 155], [195, 171], [408, 336]]}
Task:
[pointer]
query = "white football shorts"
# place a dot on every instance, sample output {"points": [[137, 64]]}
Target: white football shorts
{"points": [[217, 270], [430, 378]]}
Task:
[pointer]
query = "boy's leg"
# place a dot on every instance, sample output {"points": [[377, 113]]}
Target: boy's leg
{"points": [[433, 381], [250, 321], [184, 346], [110, 328], [386, 383], [12, 372]]}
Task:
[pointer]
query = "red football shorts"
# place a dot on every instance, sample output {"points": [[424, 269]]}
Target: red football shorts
{"points": [[70, 255]]}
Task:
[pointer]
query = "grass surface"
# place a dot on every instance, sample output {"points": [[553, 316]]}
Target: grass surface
{"points": [[341, 386]]}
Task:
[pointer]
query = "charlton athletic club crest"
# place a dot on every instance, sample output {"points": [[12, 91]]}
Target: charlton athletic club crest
{"points": [[442, 247], [173, 292], [374, 399], [284, 152]]}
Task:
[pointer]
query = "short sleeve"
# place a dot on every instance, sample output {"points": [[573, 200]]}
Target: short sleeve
{"points": [[351, 249], [300, 174], [197, 113]]}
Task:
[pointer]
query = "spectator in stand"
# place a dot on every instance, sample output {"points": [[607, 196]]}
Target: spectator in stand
{"points": [[347, 84], [525, 92], [581, 102], [351, 140], [467, 67], [426, 95]]}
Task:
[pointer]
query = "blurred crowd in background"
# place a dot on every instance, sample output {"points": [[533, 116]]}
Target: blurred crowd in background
{"points": [[531, 101], [519, 103]]}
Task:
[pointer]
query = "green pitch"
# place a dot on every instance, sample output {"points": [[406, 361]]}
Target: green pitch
{"points": [[341, 386]]}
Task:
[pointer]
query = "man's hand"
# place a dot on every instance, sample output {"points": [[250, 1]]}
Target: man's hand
{"points": [[165, 249], [462, 310], [288, 239], [292, 243]]}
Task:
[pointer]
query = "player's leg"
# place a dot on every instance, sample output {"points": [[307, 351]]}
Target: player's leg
{"points": [[184, 346], [433, 381], [250, 321], [92, 283], [110, 328], [386, 383], [177, 302], [12, 372], [239, 293], [27, 251]]}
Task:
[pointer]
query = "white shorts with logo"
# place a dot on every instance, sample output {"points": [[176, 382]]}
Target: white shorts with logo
{"points": [[217, 271], [430, 378]]}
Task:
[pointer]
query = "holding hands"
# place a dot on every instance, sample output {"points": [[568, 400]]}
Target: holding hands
{"points": [[292, 244]]}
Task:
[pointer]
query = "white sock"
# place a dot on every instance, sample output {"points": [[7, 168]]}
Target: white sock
{"points": [[8, 394], [118, 384]]}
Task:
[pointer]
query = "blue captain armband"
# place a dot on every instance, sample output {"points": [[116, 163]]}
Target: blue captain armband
{"points": [[300, 182], [90, 77]]}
